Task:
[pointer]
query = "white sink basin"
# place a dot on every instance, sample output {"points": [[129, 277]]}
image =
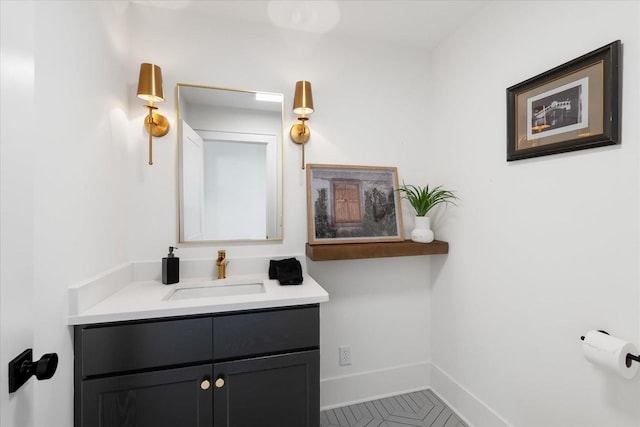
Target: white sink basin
{"points": [[215, 290]]}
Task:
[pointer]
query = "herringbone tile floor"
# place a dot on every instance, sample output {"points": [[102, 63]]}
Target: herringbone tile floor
{"points": [[418, 409]]}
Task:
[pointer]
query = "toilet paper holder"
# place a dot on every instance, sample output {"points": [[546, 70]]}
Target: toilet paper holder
{"points": [[630, 357]]}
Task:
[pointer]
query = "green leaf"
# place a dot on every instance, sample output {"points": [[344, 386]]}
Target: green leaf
{"points": [[423, 200]]}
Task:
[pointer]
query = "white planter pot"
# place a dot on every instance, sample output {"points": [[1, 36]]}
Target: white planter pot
{"points": [[422, 230]]}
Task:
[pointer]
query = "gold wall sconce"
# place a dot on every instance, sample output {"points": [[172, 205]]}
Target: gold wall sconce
{"points": [[150, 89], [302, 105]]}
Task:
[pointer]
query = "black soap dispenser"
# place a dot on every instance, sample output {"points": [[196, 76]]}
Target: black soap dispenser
{"points": [[170, 268]]}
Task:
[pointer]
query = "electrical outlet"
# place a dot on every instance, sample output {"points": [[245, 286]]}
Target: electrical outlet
{"points": [[345, 355]]}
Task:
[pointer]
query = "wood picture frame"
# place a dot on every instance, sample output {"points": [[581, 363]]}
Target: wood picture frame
{"points": [[571, 107], [353, 204]]}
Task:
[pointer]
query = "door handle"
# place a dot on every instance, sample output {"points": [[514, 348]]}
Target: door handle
{"points": [[219, 382], [205, 384], [23, 367]]}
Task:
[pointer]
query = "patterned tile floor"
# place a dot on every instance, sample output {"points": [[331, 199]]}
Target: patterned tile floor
{"points": [[418, 409]]}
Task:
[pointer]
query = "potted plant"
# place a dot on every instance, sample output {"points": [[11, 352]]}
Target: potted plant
{"points": [[423, 199]]}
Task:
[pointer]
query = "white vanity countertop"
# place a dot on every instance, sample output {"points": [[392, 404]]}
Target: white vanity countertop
{"points": [[147, 299]]}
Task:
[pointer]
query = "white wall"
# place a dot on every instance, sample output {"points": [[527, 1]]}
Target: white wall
{"points": [[542, 250], [367, 98]]}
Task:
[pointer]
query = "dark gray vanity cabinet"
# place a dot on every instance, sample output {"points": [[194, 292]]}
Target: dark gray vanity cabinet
{"points": [[240, 369], [171, 397], [268, 391]]}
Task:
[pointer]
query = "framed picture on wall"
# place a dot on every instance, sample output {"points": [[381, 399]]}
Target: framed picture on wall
{"points": [[571, 107], [353, 204]]}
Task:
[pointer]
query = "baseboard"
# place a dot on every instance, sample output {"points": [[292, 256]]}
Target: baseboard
{"points": [[462, 401], [361, 387], [371, 385]]}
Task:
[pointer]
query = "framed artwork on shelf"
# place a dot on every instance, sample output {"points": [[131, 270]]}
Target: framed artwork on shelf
{"points": [[353, 204], [571, 107]]}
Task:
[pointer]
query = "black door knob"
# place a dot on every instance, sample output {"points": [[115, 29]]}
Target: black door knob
{"points": [[44, 368], [22, 368]]}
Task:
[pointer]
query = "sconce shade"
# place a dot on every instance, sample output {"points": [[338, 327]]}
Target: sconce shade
{"points": [[150, 83], [302, 105], [150, 89], [303, 100]]}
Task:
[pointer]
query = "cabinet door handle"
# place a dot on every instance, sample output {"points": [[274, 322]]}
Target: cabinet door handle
{"points": [[205, 384], [220, 382]]}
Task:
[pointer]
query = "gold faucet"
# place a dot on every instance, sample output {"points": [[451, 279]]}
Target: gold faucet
{"points": [[222, 262]]}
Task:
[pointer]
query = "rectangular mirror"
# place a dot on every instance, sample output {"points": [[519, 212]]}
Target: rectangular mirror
{"points": [[229, 164]]}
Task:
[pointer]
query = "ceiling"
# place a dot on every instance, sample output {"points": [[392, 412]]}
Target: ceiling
{"points": [[420, 23]]}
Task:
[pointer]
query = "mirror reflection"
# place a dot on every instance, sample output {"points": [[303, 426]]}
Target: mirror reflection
{"points": [[230, 164]]}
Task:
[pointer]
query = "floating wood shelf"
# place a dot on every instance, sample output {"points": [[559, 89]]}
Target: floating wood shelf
{"points": [[374, 250]]}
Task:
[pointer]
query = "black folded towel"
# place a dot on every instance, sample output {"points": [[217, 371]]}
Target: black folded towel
{"points": [[288, 271]]}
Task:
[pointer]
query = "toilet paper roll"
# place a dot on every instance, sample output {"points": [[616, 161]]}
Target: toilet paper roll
{"points": [[609, 353]]}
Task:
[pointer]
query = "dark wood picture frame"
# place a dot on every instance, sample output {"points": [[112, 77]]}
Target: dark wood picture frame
{"points": [[353, 204], [571, 107]]}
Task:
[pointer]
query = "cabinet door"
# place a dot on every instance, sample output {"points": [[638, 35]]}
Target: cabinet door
{"points": [[282, 390], [168, 398]]}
